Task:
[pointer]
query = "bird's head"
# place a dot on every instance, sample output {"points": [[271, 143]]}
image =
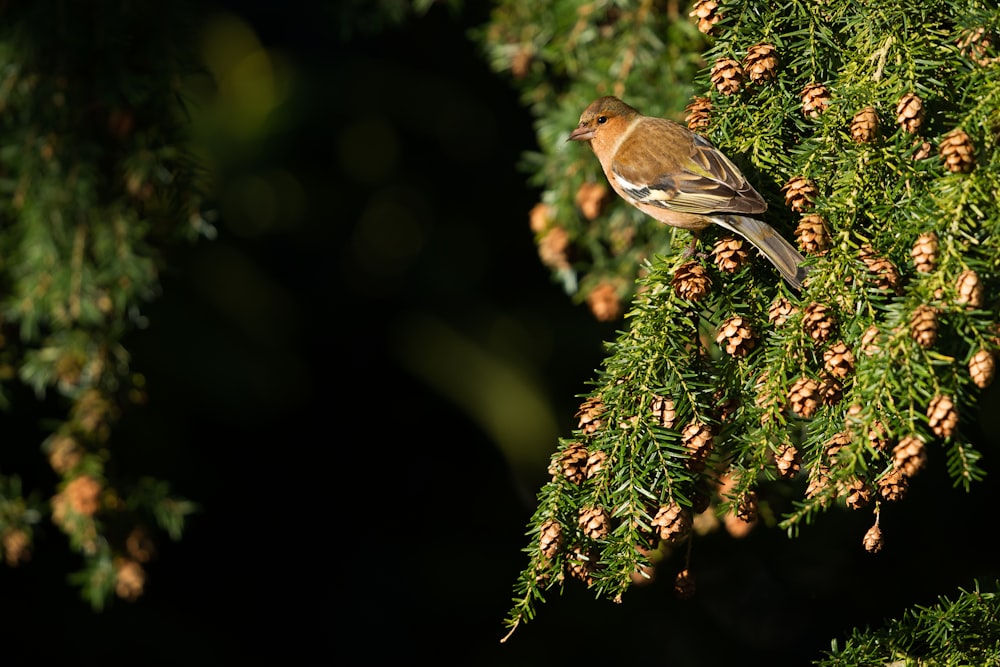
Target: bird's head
{"points": [[601, 113]]}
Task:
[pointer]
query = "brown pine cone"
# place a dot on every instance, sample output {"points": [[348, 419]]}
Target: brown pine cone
{"points": [[572, 463], [664, 411], [736, 335], [869, 341], [942, 415], [761, 63], [803, 397], [982, 366], [924, 326], [873, 541], [541, 216], [727, 76], [864, 125], [924, 253], [819, 322], [591, 199], [836, 442], [838, 360], [706, 14], [910, 113], [884, 271], [815, 99], [819, 482], [595, 522], [788, 461], [698, 439], [746, 507], [730, 253], [699, 113], [580, 566], [812, 235], [893, 485], [969, 289], [691, 281], [595, 463], [672, 522], [779, 312], [684, 585], [976, 44], [604, 302], [589, 415], [831, 389], [800, 194], [552, 248], [857, 493], [910, 455], [958, 151], [550, 538]]}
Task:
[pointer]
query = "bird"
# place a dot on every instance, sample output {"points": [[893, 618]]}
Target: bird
{"points": [[679, 178]]}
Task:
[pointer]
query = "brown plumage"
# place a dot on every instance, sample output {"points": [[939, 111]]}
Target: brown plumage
{"points": [[680, 179]]}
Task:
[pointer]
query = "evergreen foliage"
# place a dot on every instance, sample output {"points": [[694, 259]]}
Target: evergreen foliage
{"points": [[97, 184], [870, 129]]}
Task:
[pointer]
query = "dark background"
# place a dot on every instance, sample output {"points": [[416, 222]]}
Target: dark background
{"points": [[352, 512]]}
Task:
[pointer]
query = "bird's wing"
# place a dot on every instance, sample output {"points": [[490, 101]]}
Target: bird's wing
{"points": [[702, 180]]}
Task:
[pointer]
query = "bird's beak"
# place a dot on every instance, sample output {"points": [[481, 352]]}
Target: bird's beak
{"points": [[582, 133]]}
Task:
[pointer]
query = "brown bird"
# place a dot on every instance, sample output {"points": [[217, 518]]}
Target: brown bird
{"points": [[679, 178]]}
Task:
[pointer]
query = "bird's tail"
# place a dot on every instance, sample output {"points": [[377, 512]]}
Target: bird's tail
{"points": [[780, 252]]}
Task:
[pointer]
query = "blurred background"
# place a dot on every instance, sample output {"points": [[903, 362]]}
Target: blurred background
{"points": [[361, 379]]}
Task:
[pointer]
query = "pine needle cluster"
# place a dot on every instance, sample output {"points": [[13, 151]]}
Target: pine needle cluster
{"points": [[96, 183], [871, 130]]}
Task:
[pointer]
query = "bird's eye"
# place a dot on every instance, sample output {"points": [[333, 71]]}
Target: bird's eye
{"points": [[601, 120]]}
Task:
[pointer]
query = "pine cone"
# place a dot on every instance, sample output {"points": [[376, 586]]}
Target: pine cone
{"points": [[664, 411], [589, 415], [550, 538], [706, 15], [788, 461], [698, 439], [838, 360], [591, 199], [958, 151], [970, 289], [691, 281], [779, 312], [800, 194], [819, 482], [924, 253], [684, 585], [572, 463], [869, 341], [604, 302], [803, 397], [540, 217], [595, 522], [982, 366], [552, 248], [976, 45], [746, 507], [595, 463], [761, 63], [884, 271], [924, 150], [831, 389], [910, 455], [910, 113], [864, 125], [893, 485], [737, 336], [857, 494], [819, 322], [924, 326], [699, 113], [811, 234], [836, 442], [942, 415], [672, 522], [815, 99], [727, 76], [873, 541], [520, 62], [729, 253], [580, 567]]}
